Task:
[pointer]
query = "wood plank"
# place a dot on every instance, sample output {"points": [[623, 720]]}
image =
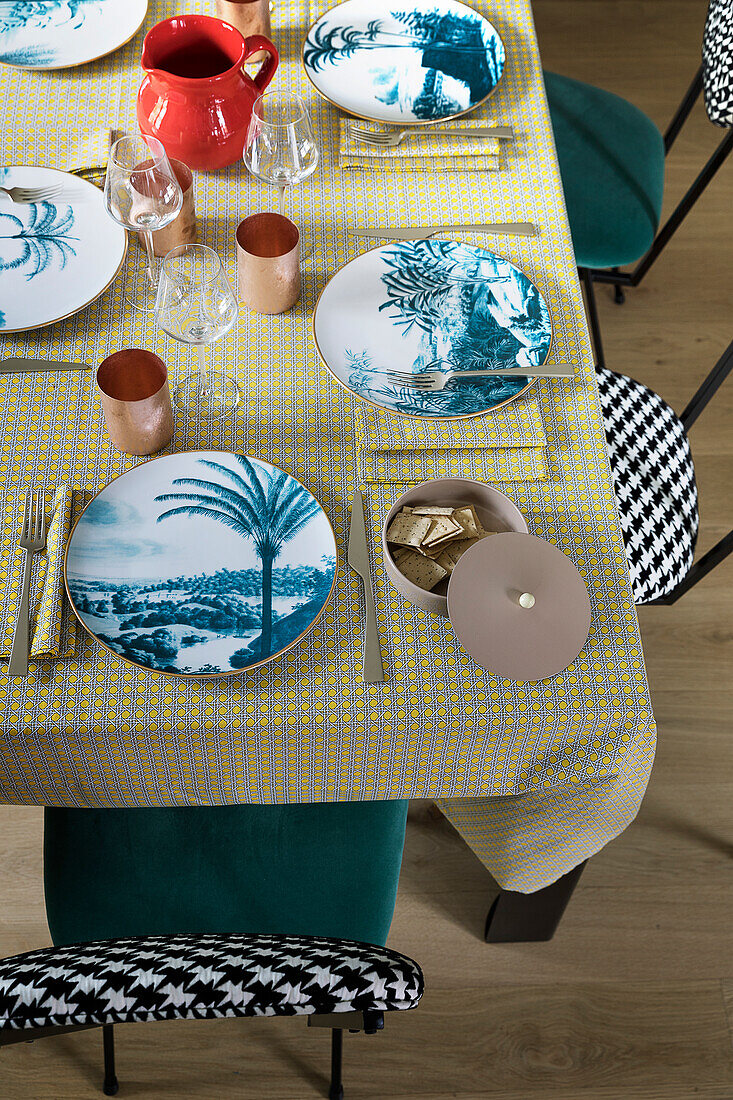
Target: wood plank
{"points": [[570, 1039]]}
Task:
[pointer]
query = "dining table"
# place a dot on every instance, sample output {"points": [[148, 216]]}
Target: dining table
{"points": [[536, 776]]}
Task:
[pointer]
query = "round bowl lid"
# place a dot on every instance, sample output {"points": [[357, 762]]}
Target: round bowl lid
{"points": [[519, 606]]}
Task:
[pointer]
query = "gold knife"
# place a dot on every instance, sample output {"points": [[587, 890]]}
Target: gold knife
{"points": [[43, 366], [422, 232], [358, 558]]}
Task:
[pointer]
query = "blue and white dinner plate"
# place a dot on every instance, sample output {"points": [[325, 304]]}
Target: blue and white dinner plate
{"points": [[419, 306], [203, 563], [58, 34], [404, 62], [55, 257]]}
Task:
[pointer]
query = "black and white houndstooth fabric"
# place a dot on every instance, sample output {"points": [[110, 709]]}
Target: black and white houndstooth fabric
{"points": [[655, 485], [202, 976], [717, 62]]}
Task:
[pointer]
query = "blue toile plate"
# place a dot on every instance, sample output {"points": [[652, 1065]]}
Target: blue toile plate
{"points": [[405, 63], [58, 34], [55, 257], [420, 306], [203, 563]]}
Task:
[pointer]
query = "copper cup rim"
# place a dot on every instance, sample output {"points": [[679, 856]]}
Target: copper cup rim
{"points": [[274, 219], [155, 360], [179, 168]]}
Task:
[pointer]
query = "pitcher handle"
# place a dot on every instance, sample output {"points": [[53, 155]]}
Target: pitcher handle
{"points": [[253, 44]]}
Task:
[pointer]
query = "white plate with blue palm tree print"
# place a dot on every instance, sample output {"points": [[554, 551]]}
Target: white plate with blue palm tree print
{"points": [[58, 34], [55, 257], [203, 563], [405, 63], [419, 306]]}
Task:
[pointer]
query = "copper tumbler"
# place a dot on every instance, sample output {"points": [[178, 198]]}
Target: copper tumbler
{"points": [[268, 263], [248, 16], [133, 389], [183, 229]]}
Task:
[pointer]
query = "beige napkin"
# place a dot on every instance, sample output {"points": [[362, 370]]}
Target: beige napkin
{"points": [[433, 153], [505, 445], [52, 629], [67, 150]]}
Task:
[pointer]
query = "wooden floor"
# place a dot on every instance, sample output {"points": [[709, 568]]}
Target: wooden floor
{"points": [[629, 1001]]}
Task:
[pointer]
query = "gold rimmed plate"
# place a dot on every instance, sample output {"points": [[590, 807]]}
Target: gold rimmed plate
{"points": [[417, 306], [56, 256], [203, 563], [404, 63], [61, 34]]}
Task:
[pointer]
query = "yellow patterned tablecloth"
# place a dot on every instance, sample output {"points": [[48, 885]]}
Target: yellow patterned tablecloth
{"points": [[93, 731]]}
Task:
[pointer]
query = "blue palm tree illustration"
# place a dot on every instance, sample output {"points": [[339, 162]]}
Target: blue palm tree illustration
{"points": [[43, 239], [266, 508]]}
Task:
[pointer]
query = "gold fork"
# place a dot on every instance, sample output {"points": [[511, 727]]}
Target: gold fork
{"points": [[32, 539]]}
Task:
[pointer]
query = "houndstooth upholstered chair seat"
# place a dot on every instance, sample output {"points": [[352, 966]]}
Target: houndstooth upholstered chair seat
{"points": [[654, 479], [188, 977], [196, 977]]}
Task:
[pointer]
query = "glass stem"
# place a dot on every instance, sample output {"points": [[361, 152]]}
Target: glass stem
{"points": [[282, 201], [148, 238], [204, 386]]}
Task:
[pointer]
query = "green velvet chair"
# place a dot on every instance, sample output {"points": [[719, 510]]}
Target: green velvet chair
{"points": [[612, 161], [239, 910]]}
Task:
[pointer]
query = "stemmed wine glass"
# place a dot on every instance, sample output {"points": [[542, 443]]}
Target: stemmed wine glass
{"points": [[141, 192], [196, 305], [281, 146]]}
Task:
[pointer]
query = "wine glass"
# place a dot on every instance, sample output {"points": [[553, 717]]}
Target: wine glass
{"points": [[141, 192], [196, 305], [281, 146]]}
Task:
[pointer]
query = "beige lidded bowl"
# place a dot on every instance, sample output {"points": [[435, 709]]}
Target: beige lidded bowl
{"points": [[494, 509]]}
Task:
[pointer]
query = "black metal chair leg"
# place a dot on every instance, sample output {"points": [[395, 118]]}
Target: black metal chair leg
{"points": [[595, 325], [527, 918], [336, 1089], [111, 1084], [618, 291]]}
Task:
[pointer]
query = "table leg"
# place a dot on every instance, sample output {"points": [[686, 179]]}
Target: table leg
{"points": [[523, 918]]}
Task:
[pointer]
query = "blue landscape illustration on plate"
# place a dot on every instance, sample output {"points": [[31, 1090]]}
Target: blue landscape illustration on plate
{"points": [[210, 621], [431, 63], [472, 310], [24, 19]]}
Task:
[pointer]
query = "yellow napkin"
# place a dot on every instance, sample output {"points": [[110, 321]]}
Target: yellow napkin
{"points": [[506, 445], [436, 153], [67, 150], [52, 628]]}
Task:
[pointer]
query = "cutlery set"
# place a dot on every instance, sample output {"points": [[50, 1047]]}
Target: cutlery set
{"points": [[390, 139]]}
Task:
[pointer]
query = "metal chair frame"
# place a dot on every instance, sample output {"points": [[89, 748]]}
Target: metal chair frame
{"points": [[620, 279], [370, 1022], [710, 385]]}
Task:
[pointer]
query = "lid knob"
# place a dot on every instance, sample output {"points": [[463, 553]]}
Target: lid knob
{"points": [[526, 599]]}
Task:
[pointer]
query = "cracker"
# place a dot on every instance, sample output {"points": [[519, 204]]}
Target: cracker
{"points": [[458, 549], [432, 510], [468, 519], [421, 571], [443, 526], [445, 561], [407, 530]]}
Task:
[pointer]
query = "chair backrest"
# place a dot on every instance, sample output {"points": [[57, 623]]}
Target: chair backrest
{"points": [[717, 62]]}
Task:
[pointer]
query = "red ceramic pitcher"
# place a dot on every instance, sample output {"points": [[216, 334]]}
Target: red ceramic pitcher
{"points": [[195, 97]]}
